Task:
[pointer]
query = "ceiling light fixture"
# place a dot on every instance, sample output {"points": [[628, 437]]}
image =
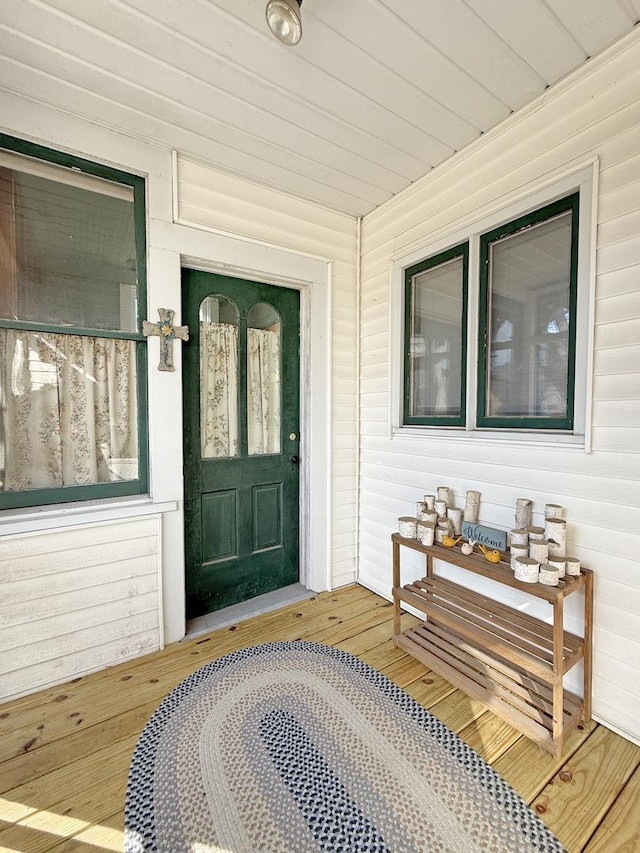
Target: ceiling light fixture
{"points": [[284, 20]]}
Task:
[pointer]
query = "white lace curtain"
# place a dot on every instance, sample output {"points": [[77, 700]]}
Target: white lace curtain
{"points": [[263, 391], [219, 390], [69, 413]]}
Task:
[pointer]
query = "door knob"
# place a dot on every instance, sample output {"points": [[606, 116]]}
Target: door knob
{"points": [[295, 460]]}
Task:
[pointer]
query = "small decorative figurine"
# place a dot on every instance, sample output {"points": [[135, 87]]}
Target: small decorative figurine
{"points": [[449, 541], [467, 548], [491, 556]]}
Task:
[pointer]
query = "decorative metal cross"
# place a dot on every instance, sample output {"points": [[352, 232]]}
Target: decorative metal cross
{"points": [[167, 332]]}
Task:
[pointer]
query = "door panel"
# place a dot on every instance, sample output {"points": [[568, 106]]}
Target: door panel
{"points": [[241, 376]]}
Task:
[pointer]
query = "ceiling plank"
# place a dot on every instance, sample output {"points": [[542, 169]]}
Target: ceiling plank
{"points": [[593, 23], [532, 31], [146, 35], [314, 79], [460, 33], [376, 30]]}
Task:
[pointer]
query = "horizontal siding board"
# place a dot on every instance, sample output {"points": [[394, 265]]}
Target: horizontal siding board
{"points": [[616, 306], [622, 228], [246, 220], [437, 458], [623, 333], [617, 362], [618, 622], [617, 283], [39, 566], [344, 578], [612, 386], [87, 577], [61, 669], [617, 413], [71, 600], [616, 203], [21, 546], [614, 439], [74, 632]]}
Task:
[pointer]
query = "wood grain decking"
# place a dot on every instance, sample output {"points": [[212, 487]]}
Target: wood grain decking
{"points": [[64, 752]]}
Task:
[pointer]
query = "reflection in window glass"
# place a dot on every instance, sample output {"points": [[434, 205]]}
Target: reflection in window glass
{"points": [[73, 250], [263, 380], [436, 342], [528, 321], [218, 378]]}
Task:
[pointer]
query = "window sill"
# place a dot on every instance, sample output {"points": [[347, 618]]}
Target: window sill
{"points": [[14, 521], [493, 437]]}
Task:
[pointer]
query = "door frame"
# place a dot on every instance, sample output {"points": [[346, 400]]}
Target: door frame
{"points": [[315, 409]]}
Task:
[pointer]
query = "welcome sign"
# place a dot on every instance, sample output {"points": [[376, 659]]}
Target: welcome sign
{"points": [[489, 536]]}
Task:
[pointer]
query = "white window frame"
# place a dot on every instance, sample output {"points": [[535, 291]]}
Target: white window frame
{"points": [[582, 177]]}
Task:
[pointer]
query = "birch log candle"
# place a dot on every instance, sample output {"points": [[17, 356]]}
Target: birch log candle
{"points": [[549, 575], [527, 570], [518, 551], [555, 530], [519, 536], [444, 494], [572, 566], [558, 562], [408, 526], [430, 501], [440, 507], [539, 550], [535, 534], [471, 507], [455, 517], [523, 512], [428, 531], [553, 511]]}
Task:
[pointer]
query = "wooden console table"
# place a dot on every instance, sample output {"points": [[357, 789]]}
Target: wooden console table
{"points": [[512, 662]]}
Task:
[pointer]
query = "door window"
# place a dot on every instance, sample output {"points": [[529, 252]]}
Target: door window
{"points": [[263, 379], [218, 378]]}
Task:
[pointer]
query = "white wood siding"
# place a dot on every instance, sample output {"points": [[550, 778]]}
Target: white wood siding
{"points": [[75, 600], [594, 112], [211, 199]]}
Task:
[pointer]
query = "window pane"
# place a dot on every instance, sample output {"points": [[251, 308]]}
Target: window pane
{"points": [[529, 294], [263, 380], [69, 410], [436, 343], [218, 378], [69, 253]]}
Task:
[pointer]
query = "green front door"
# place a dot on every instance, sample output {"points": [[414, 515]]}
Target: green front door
{"points": [[241, 379]]}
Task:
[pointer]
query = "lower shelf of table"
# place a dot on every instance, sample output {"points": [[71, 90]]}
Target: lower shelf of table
{"points": [[522, 699]]}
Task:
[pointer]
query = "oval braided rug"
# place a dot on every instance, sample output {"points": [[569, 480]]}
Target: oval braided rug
{"points": [[299, 747]]}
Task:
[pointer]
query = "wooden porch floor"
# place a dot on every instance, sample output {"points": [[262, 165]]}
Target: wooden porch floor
{"points": [[64, 752]]}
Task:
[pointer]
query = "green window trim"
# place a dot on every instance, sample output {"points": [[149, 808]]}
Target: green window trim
{"points": [[571, 204], [459, 251], [95, 491]]}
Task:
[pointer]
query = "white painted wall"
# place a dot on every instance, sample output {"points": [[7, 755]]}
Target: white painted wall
{"points": [[76, 600], [595, 112], [298, 245]]}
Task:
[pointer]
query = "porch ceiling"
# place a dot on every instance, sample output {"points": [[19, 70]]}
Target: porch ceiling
{"points": [[376, 94]]}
